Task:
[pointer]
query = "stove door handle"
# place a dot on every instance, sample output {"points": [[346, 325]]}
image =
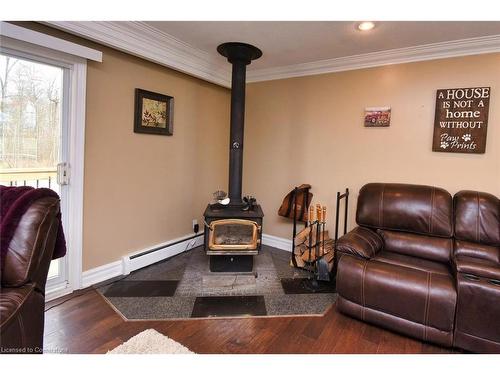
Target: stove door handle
{"points": [[209, 226]]}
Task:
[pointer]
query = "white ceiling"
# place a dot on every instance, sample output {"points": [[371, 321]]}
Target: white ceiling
{"points": [[290, 48], [287, 43]]}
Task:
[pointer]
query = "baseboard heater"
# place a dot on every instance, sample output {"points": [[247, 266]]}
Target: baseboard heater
{"points": [[161, 252]]}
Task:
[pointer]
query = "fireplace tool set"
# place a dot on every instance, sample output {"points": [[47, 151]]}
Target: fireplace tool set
{"points": [[316, 241], [312, 248]]}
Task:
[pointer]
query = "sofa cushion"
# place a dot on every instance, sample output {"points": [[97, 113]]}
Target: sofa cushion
{"points": [[410, 289], [476, 250], [412, 262], [432, 248], [477, 217], [479, 268], [410, 208]]}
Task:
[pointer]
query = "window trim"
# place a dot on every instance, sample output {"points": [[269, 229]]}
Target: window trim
{"points": [[43, 40]]}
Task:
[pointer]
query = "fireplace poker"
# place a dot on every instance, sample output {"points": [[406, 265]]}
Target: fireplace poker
{"points": [[324, 226], [318, 237], [318, 230], [311, 223]]}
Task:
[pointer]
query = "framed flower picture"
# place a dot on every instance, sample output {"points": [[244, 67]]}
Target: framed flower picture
{"points": [[153, 113]]}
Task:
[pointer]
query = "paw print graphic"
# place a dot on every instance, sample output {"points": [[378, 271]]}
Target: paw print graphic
{"points": [[444, 145], [466, 137]]}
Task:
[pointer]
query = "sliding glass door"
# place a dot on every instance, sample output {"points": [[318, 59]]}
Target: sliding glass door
{"points": [[33, 117]]}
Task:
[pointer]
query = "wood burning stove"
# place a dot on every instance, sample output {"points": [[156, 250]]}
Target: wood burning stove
{"points": [[233, 233]]}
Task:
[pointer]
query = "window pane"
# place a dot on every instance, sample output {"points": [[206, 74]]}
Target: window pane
{"points": [[30, 126], [30, 122], [54, 269]]}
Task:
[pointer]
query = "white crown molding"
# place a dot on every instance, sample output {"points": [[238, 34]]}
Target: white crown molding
{"points": [[142, 40], [464, 47]]}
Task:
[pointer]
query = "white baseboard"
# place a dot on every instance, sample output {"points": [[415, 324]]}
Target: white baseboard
{"points": [[135, 261], [130, 263], [277, 242], [56, 291], [162, 251], [102, 273]]}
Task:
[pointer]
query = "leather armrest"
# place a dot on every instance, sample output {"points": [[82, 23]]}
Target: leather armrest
{"points": [[477, 267], [30, 250], [21, 319], [361, 242], [12, 301]]}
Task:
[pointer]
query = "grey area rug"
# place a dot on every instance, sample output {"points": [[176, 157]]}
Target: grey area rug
{"points": [[183, 287]]}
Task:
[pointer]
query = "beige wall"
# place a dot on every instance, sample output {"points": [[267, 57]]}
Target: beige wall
{"points": [[310, 130], [141, 190]]}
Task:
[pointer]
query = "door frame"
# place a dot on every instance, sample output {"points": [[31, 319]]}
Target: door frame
{"points": [[75, 88]]}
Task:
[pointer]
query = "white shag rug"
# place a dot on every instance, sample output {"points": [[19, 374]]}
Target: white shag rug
{"points": [[150, 342]]}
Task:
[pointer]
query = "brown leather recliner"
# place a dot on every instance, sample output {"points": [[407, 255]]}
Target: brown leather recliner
{"points": [[477, 262], [395, 270], [24, 274], [425, 267]]}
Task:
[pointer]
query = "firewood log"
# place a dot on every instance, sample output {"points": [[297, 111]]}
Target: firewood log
{"points": [[302, 251], [302, 236], [302, 241]]}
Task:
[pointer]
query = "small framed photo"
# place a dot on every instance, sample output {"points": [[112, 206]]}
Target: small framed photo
{"points": [[153, 113], [377, 117]]}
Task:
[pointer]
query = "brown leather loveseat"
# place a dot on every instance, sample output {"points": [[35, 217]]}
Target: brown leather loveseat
{"points": [[406, 268], [24, 274]]}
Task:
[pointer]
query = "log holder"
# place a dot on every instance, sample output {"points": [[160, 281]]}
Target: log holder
{"points": [[318, 269]]}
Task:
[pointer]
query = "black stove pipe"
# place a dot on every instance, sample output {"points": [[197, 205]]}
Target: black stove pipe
{"points": [[239, 55]]}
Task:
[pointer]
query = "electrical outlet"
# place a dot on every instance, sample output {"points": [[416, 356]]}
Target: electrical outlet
{"points": [[196, 227]]}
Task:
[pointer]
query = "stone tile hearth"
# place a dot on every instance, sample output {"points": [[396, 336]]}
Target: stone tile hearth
{"points": [[191, 290]]}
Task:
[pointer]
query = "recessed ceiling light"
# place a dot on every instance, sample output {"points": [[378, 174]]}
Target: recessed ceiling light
{"points": [[365, 26]]}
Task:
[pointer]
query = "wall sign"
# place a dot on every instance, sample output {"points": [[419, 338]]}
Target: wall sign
{"points": [[461, 120]]}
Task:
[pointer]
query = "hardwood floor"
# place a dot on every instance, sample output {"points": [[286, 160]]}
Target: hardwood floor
{"points": [[87, 324]]}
